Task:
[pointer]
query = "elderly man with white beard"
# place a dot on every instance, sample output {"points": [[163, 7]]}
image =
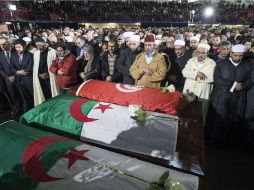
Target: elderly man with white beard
{"points": [[127, 58], [199, 72]]}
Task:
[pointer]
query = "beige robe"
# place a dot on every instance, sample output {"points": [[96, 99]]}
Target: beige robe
{"points": [[38, 94], [157, 65], [201, 88]]}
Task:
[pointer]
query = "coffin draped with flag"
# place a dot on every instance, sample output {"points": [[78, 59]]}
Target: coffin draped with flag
{"points": [[107, 124], [151, 99], [102, 118], [34, 159]]}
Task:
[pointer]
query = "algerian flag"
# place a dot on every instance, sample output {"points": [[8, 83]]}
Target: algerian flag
{"points": [[55, 113], [108, 124], [114, 126], [34, 159]]}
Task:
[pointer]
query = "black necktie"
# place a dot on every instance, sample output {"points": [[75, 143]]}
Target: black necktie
{"points": [[20, 60], [8, 56]]}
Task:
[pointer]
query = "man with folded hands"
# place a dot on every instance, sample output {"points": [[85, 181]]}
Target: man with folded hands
{"points": [[149, 67], [228, 100]]}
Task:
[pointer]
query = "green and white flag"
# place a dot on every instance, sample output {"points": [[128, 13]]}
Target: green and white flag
{"points": [[107, 124], [114, 126], [33, 159]]}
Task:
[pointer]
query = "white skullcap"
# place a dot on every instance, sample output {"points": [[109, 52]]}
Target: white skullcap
{"points": [[128, 34], [237, 35], [135, 38], [202, 45], [179, 43], [27, 39], [196, 38], [120, 37], [69, 39], [198, 35], [158, 37], [239, 48], [157, 42]]}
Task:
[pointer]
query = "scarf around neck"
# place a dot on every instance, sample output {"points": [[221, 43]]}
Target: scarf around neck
{"points": [[62, 56]]}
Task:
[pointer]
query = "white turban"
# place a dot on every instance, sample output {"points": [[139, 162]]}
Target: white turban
{"points": [[128, 34], [27, 39], [196, 38], [179, 43], [239, 48], [157, 42], [198, 35], [205, 46], [158, 37], [135, 38]]}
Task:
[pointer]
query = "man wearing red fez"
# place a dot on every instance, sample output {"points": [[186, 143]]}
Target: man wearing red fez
{"points": [[149, 67]]}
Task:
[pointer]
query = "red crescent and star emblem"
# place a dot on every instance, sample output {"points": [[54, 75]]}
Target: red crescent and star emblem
{"points": [[31, 159], [127, 88], [76, 111], [103, 108], [73, 155]]}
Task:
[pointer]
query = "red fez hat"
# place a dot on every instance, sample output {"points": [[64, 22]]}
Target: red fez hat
{"points": [[149, 38]]}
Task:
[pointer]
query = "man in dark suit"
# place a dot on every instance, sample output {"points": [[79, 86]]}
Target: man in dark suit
{"points": [[22, 68], [108, 61], [7, 75]]}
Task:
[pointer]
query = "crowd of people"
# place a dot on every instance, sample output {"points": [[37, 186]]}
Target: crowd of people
{"points": [[133, 11], [215, 64]]}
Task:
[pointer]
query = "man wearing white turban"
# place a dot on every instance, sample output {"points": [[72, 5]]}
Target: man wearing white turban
{"points": [[127, 58], [228, 100], [194, 41], [199, 76], [199, 73]]}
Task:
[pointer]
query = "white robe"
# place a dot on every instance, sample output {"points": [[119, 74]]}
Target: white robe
{"points": [[38, 94], [201, 88]]}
